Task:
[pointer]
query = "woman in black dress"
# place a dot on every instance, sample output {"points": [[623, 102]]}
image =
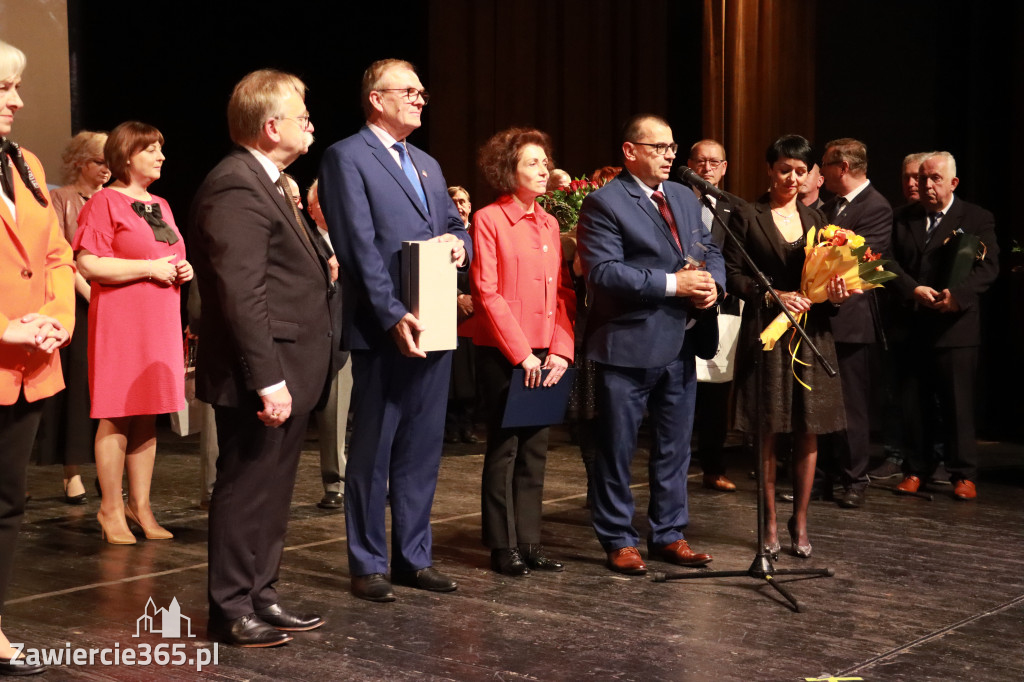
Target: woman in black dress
{"points": [[774, 234]]}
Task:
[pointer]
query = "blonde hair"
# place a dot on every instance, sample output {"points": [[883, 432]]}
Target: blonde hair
{"points": [[12, 61], [257, 98], [86, 145], [373, 76]]}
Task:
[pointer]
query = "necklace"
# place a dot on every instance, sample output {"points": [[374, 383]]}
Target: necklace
{"points": [[785, 218]]}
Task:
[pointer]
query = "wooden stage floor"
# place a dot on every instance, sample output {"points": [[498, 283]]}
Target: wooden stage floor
{"points": [[922, 590]]}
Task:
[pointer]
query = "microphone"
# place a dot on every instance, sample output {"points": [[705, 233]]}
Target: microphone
{"points": [[688, 176]]}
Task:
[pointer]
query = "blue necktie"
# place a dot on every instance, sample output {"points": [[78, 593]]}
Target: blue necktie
{"points": [[410, 172]]}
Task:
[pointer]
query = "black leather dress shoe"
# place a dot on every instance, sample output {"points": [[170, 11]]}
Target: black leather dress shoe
{"points": [[534, 557], [509, 562], [247, 631], [469, 437], [8, 667], [332, 500], [277, 617], [373, 587], [851, 499], [428, 578]]}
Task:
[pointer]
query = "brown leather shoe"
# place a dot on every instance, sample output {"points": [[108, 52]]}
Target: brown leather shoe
{"points": [[909, 484], [627, 560], [678, 552], [964, 490], [720, 483]]}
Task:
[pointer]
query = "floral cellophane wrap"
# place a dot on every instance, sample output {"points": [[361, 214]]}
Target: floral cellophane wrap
{"points": [[831, 251]]}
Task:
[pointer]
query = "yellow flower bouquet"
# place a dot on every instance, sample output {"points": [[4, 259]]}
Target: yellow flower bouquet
{"points": [[831, 251]]}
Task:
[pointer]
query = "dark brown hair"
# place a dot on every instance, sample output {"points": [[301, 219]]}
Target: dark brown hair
{"points": [[499, 156], [124, 142]]}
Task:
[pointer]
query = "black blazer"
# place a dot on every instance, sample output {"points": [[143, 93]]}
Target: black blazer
{"points": [[870, 216], [753, 226], [729, 304], [265, 287], [918, 263]]}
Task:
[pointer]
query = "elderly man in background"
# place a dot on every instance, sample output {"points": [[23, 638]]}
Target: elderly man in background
{"points": [[707, 159], [942, 292]]}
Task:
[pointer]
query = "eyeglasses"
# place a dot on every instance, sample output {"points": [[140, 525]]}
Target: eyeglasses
{"points": [[660, 148], [303, 120], [409, 94], [713, 164]]}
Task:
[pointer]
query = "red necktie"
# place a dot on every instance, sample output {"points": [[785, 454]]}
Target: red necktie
{"points": [[659, 199]]}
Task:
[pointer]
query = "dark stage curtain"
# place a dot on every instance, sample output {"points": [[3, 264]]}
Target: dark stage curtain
{"points": [[575, 69]]}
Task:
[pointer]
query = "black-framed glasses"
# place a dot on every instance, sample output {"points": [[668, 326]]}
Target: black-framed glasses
{"points": [[660, 148], [303, 120], [713, 164], [409, 94]]}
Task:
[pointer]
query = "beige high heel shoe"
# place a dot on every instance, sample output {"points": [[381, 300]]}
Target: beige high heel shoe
{"points": [[115, 538], [157, 533]]}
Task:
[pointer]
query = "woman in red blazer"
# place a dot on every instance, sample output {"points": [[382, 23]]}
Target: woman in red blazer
{"points": [[522, 307], [37, 315]]}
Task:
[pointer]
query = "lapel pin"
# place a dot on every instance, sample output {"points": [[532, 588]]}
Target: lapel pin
{"points": [[424, 173]]}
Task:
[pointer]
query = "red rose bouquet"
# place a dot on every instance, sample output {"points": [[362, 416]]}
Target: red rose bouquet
{"points": [[564, 203]]}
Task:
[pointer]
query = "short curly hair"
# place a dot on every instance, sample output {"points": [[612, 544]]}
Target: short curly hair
{"points": [[499, 156], [86, 145]]}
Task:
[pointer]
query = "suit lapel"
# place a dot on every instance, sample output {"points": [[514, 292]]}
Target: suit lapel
{"points": [[769, 232], [383, 156], [282, 205], [10, 223], [647, 206], [947, 226]]}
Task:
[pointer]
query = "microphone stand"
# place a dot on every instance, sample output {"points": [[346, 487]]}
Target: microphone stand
{"points": [[761, 568]]}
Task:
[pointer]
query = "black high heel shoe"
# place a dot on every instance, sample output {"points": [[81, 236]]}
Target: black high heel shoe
{"points": [[802, 551], [73, 499]]}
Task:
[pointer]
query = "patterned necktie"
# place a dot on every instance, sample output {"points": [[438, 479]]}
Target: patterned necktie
{"points": [[666, 213], [410, 171], [282, 185], [933, 222], [841, 203]]}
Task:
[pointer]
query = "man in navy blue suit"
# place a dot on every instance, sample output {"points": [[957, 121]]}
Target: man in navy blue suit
{"points": [[642, 245], [377, 191]]}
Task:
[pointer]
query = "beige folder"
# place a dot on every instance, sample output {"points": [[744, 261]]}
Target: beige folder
{"points": [[429, 292]]}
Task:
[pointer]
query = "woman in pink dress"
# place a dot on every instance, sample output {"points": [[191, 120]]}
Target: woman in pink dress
{"points": [[130, 250]]}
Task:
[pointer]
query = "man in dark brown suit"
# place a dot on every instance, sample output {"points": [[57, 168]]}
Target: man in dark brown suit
{"points": [[266, 352]]}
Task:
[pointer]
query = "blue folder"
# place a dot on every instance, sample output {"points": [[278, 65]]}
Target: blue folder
{"points": [[536, 406]]}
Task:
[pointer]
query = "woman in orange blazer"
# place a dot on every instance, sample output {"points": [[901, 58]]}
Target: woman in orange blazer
{"points": [[522, 308], [37, 315]]}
